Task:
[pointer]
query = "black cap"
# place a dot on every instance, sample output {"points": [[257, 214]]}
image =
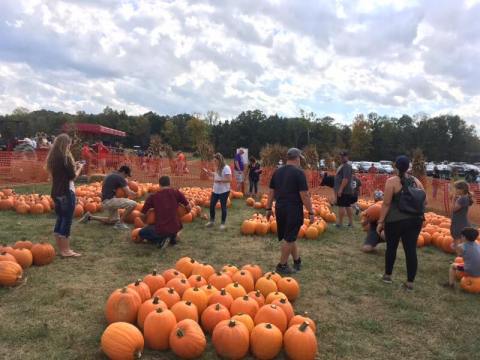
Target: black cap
{"points": [[402, 163], [126, 170]]}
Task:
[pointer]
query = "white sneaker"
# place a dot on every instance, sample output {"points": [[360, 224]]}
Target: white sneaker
{"points": [[121, 226], [209, 224], [222, 227]]}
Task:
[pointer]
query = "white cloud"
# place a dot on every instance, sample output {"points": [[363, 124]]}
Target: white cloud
{"points": [[333, 57]]}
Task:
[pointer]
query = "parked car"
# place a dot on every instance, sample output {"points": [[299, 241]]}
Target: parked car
{"points": [[388, 168], [363, 166], [458, 167], [429, 167], [379, 167], [386, 162]]}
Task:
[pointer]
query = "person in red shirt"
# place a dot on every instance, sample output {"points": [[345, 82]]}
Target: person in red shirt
{"points": [[87, 157], [102, 153], [165, 204]]}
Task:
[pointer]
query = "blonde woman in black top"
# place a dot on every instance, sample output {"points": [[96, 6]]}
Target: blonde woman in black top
{"points": [[64, 170]]}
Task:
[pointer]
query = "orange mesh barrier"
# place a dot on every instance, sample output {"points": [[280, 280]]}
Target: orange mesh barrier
{"points": [[29, 168]]}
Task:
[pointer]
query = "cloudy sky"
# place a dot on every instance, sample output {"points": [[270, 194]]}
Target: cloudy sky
{"points": [[335, 57]]}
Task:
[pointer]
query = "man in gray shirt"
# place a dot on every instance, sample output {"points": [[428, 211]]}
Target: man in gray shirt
{"points": [[343, 190]]}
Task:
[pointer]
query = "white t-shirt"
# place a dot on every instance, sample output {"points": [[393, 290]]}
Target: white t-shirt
{"points": [[220, 188]]}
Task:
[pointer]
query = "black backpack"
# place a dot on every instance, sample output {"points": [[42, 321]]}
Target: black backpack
{"points": [[412, 199]]}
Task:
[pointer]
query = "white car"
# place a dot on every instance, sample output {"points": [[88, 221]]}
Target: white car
{"points": [[388, 168]]}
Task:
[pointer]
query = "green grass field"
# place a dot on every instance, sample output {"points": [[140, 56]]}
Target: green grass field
{"points": [[58, 312]]}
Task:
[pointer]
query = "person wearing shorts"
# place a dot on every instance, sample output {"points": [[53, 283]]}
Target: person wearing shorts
{"points": [[343, 190], [289, 188], [167, 223], [469, 249], [112, 204]]}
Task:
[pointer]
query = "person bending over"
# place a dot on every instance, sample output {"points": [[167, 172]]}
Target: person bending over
{"points": [[111, 204], [167, 223], [373, 238]]}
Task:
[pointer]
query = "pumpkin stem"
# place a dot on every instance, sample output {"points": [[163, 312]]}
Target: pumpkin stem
{"points": [[155, 300], [246, 297], [192, 261], [171, 290], [124, 290], [196, 289], [304, 326], [189, 303], [137, 282], [223, 292], [154, 272], [268, 326], [283, 301], [232, 323], [180, 333], [217, 307], [199, 278], [159, 310], [258, 293], [183, 281]]}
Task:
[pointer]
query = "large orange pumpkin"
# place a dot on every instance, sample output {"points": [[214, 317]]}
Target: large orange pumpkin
{"points": [[222, 297], [300, 342], [23, 244], [212, 315], [157, 328], [187, 340], [142, 289], [23, 256], [185, 310], [231, 339], [244, 304], [255, 270], [289, 286], [185, 265], [10, 273], [266, 285], [373, 212], [220, 280], [122, 305], [147, 307], [197, 297], [266, 341], [168, 295], [154, 281], [469, 284], [245, 279], [272, 314], [43, 253], [4, 256], [122, 340]]}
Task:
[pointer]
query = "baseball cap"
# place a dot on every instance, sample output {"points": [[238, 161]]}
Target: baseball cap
{"points": [[126, 170], [294, 153], [402, 163]]}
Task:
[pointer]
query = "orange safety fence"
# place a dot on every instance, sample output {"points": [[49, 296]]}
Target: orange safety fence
{"points": [[29, 168]]}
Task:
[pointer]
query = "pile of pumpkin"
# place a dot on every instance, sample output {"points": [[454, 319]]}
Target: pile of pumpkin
{"points": [[259, 225], [321, 206], [436, 232], [242, 309], [14, 260], [25, 204]]}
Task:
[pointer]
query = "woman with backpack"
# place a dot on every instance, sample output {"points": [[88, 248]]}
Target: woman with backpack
{"points": [[402, 217]]}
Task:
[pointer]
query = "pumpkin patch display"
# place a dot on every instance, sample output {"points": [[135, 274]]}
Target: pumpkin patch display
{"points": [[152, 313]]}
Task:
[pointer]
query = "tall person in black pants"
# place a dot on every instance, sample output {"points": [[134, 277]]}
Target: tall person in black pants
{"points": [[254, 172], [400, 225], [222, 177], [289, 188]]}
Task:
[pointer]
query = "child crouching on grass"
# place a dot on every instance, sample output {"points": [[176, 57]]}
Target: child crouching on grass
{"points": [[373, 239], [469, 249]]}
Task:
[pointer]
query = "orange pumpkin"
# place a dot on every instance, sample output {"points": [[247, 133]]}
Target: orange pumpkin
{"points": [[266, 341], [23, 256], [300, 342], [154, 281], [185, 310], [10, 273], [157, 328], [4, 256], [272, 314], [244, 304], [258, 297], [300, 319], [23, 244], [147, 307], [212, 315], [255, 270], [168, 295], [197, 297], [220, 280], [222, 297], [245, 319], [266, 285], [122, 305], [187, 340], [122, 340], [185, 265], [43, 254], [231, 339], [142, 289], [289, 286], [245, 279]]}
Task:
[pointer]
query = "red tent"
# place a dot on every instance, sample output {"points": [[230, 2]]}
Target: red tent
{"points": [[93, 129]]}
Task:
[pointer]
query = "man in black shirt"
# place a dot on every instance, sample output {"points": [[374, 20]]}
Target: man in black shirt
{"points": [[289, 188], [111, 203]]}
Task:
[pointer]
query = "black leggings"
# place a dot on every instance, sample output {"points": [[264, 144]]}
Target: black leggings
{"points": [[253, 186], [223, 202], [408, 231]]}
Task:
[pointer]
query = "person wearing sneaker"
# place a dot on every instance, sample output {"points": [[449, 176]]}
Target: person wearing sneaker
{"points": [[111, 203], [343, 190], [289, 189], [222, 178], [399, 223], [469, 249], [165, 204], [63, 170], [356, 185]]}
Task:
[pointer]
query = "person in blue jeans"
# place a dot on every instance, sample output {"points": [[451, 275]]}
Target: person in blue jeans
{"points": [[222, 178], [63, 170]]}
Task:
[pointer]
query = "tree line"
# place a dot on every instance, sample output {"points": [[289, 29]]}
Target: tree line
{"points": [[369, 137]]}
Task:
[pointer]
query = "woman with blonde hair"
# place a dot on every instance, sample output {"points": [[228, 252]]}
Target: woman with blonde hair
{"points": [[221, 189], [64, 170]]}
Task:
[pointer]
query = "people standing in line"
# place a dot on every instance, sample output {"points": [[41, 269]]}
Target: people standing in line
{"points": [[462, 201], [111, 203], [64, 170], [102, 154], [167, 223], [400, 224], [289, 189], [222, 177], [239, 168], [469, 249], [343, 190], [254, 172]]}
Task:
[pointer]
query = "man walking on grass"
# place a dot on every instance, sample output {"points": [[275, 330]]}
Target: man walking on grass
{"points": [[289, 188]]}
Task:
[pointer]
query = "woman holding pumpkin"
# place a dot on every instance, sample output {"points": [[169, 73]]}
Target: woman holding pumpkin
{"points": [[222, 178], [64, 170]]}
